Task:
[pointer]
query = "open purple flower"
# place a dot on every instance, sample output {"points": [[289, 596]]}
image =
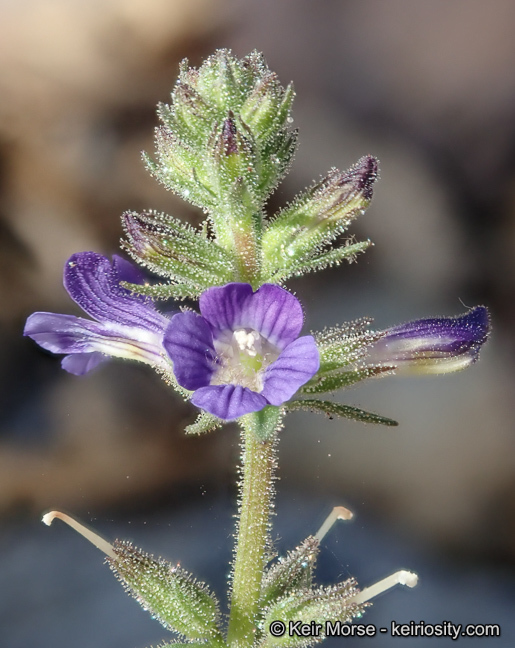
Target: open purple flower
{"points": [[243, 351], [433, 346], [124, 325]]}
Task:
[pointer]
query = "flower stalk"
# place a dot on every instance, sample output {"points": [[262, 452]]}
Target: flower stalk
{"points": [[253, 528]]}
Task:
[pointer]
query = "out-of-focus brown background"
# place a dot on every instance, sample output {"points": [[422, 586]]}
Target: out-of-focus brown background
{"points": [[429, 88]]}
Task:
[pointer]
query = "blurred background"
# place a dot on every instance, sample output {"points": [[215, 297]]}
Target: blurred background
{"points": [[428, 88]]}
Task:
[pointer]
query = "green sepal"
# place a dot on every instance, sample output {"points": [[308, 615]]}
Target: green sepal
{"points": [[264, 423], [293, 267], [179, 644], [337, 409], [292, 572], [311, 606], [205, 423], [171, 595], [321, 384], [193, 644], [164, 291], [345, 344], [275, 158]]}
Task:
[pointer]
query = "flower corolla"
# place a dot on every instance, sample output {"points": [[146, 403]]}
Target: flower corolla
{"points": [[243, 352], [124, 325]]}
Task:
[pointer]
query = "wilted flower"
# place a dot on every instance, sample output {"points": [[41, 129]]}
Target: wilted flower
{"points": [[243, 352], [432, 346], [124, 325]]}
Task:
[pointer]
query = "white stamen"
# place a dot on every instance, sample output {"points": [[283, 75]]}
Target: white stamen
{"points": [[93, 537], [246, 341], [338, 513], [402, 577]]}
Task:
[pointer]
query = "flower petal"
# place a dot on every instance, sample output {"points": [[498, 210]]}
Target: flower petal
{"points": [[81, 363], [228, 402], [271, 311], [94, 284], [74, 335], [439, 345], [188, 341], [297, 363]]}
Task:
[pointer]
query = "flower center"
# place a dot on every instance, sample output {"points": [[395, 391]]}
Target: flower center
{"points": [[242, 357]]}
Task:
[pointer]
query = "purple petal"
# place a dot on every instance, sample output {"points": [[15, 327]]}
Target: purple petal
{"points": [[94, 284], [127, 271], [228, 402], [81, 363], [74, 335], [271, 311], [297, 363], [438, 345], [188, 341], [62, 333]]}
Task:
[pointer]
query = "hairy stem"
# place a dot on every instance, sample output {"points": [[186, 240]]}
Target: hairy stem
{"points": [[256, 496]]}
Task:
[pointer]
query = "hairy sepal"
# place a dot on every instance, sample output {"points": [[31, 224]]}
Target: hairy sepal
{"points": [[171, 595], [315, 606], [332, 409]]}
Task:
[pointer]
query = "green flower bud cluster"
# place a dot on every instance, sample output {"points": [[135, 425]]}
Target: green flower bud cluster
{"points": [[225, 143]]}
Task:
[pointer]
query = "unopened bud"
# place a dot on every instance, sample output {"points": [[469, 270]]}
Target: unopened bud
{"points": [[433, 346]]}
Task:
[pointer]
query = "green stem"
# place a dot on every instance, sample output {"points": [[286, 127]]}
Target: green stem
{"points": [[257, 491]]}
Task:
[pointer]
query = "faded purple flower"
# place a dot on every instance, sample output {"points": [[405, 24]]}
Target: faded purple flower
{"points": [[433, 346], [124, 325], [243, 351]]}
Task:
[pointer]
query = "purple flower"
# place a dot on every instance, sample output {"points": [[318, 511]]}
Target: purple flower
{"points": [[243, 352], [124, 325], [433, 346]]}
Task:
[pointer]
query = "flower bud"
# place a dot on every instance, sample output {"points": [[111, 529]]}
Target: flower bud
{"points": [[175, 250], [268, 106], [433, 346], [316, 218]]}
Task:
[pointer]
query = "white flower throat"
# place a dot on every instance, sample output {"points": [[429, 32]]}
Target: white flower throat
{"points": [[242, 357]]}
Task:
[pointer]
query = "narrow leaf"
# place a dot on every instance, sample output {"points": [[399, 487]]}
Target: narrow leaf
{"points": [[337, 409]]}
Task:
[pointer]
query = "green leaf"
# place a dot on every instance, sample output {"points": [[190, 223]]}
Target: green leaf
{"points": [[337, 409]]}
